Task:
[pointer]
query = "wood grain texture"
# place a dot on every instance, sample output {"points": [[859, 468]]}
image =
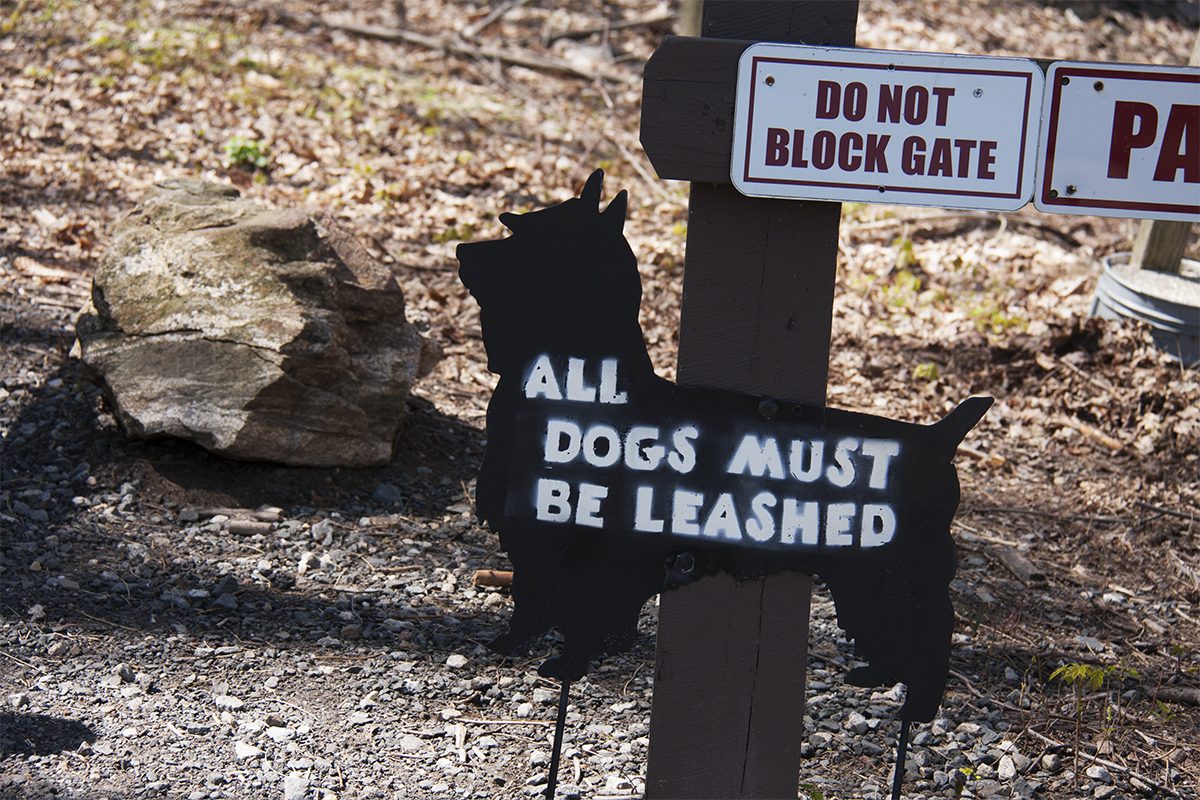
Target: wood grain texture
{"points": [[687, 108], [728, 705]]}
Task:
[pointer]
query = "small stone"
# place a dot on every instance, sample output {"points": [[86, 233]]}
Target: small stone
{"points": [[1097, 772], [410, 743], [456, 661], [244, 751], [1051, 762], [280, 734], [229, 702], [387, 494], [124, 673], [539, 758], [524, 710], [295, 786], [545, 696], [227, 601], [352, 632], [360, 718], [1006, 770], [855, 723], [308, 560], [60, 649], [18, 700]]}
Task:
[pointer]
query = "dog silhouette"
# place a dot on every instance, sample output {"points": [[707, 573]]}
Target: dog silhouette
{"points": [[608, 484]]}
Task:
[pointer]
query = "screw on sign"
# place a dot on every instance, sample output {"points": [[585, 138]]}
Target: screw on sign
{"points": [[608, 484]]}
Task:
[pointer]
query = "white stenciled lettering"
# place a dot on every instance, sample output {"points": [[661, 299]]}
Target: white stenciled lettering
{"points": [[640, 455], [806, 469], [563, 440], [841, 471], [878, 525], [881, 452], [541, 381], [601, 446], [761, 526], [838, 517], [685, 512], [608, 383], [643, 517], [683, 458], [802, 518], [587, 507], [576, 388], [552, 500], [722, 520], [757, 457]]}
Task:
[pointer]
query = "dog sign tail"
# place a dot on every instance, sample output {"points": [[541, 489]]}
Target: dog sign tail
{"points": [[954, 427]]}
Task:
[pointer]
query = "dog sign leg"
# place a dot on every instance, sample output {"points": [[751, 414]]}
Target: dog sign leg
{"points": [[901, 756], [556, 751]]}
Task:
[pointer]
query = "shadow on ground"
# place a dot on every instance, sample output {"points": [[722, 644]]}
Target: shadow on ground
{"points": [[62, 467], [40, 735]]}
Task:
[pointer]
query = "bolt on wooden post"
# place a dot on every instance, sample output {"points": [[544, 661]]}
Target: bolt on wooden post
{"points": [[727, 717]]}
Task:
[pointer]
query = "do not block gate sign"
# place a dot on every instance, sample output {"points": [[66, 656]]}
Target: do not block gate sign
{"points": [[826, 123]]}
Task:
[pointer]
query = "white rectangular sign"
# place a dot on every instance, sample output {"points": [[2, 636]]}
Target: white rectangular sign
{"points": [[1120, 140], [932, 129]]}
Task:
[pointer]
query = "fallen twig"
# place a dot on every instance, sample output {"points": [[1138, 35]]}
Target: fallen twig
{"points": [[247, 527], [662, 18], [527, 60], [1095, 434], [263, 515], [1181, 695], [1019, 565], [19, 661], [1105, 762], [1033, 512], [469, 32], [1169, 512], [492, 577]]}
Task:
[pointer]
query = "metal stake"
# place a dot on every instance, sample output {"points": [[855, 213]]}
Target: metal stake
{"points": [[901, 755], [556, 750]]}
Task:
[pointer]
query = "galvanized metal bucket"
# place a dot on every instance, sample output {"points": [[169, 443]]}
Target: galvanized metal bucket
{"points": [[1168, 302]]}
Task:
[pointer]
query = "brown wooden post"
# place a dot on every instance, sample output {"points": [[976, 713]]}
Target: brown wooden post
{"points": [[728, 706]]}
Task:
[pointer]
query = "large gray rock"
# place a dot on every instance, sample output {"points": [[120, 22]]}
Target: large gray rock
{"points": [[258, 334]]}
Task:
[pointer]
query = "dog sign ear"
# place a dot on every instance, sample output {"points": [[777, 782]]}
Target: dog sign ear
{"points": [[591, 190], [615, 213]]}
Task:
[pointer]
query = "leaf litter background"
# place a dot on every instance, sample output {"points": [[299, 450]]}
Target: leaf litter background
{"points": [[352, 665]]}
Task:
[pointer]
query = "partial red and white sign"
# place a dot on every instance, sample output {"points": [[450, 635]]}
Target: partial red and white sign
{"points": [[1120, 140], [933, 129]]}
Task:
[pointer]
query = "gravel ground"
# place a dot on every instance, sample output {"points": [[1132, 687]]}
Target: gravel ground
{"points": [[333, 648]]}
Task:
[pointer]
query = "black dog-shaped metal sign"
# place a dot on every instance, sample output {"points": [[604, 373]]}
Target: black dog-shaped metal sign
{"points": [[608, 484]]}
